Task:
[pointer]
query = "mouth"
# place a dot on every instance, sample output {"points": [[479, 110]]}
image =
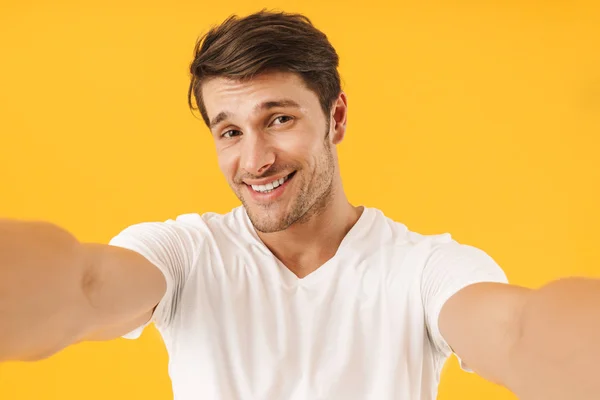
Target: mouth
{"points": [[271, 190]]}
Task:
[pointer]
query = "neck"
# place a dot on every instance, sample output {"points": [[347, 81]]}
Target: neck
{"points": [[306, 245]]}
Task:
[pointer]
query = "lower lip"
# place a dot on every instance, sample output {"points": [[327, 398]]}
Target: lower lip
{"points": [[272, 195]]}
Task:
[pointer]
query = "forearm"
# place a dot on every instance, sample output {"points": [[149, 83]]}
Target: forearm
{"points": [[41, 275], [557, 353]]}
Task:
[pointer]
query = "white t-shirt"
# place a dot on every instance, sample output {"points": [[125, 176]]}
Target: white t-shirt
{"points": [[239, 325]]}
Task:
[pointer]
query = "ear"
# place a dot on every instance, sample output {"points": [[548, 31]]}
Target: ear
{"points": [[339, 118]]}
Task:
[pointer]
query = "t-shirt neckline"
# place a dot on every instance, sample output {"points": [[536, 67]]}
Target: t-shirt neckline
{"points": [[288, 277]]}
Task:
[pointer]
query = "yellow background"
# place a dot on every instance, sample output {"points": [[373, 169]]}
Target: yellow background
{"points": [[477, 118]]}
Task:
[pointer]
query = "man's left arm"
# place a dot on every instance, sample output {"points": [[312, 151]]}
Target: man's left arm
{"points": [[540, 344]]}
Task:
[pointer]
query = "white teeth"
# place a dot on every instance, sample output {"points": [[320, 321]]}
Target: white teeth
{"points": [[270, 186]]}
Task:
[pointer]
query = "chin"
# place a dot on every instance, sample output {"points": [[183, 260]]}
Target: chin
{"points": [[267, 219], [269, 227]]}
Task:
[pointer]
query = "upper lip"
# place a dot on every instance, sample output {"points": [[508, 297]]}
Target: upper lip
{"points": [[263, 181]]}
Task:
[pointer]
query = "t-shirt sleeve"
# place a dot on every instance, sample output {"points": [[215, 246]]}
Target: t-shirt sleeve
{"points": [[449, 268], [171, 246]]}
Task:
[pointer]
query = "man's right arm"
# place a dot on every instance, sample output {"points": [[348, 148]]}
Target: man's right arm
{"points": [[56, 291]]}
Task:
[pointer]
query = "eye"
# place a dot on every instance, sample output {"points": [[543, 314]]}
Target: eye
{"points": [[231, 134], [282, 120]]}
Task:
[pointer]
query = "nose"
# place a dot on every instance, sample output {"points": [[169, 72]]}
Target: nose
{"points": [[257, 154]]}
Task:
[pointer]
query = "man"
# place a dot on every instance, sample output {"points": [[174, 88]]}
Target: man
{"points": [[297, 294]]}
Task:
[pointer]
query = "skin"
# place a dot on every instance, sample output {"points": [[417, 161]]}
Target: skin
{"points": [[258, 141]]}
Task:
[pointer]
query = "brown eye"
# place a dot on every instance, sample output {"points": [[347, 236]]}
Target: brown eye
{"points": [[282, 120], [231, 134]]}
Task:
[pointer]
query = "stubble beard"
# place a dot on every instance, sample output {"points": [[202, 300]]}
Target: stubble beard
{"points": [[313, 199]]}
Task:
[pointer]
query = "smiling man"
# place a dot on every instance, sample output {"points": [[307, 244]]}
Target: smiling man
{"points": [[296, 294], [272, 139]]}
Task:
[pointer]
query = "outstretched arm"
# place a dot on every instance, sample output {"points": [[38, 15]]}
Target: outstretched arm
{"points": [[540, 344], [56, 291]]}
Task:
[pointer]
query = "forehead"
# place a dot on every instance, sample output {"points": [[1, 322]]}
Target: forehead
{"points": [[233, 96]]}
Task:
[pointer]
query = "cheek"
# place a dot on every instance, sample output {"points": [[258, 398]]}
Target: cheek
{"points": [[301, 146]]}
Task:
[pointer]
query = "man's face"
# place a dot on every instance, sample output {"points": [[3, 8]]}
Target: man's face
{"points": [[271, 139]]}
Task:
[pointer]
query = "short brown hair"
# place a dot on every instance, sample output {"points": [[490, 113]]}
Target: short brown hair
{"points": [[241, 48]]}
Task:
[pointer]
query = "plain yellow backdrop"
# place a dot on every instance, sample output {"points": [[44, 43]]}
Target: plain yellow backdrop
{"points": [[481, 119]]}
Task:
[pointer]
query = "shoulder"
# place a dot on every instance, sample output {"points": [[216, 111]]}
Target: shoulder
{"points": [[391, 248], [388, 231], [183, 231], [432, 253]]}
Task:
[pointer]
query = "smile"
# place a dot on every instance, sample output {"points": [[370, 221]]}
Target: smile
{"points": [[269, 187]]}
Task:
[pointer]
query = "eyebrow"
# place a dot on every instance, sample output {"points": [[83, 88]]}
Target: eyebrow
{"points": [[267, 105]]}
